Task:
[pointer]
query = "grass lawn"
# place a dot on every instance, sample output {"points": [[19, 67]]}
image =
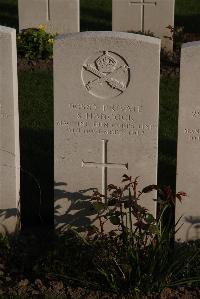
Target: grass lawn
{"points": [[36, 111]]}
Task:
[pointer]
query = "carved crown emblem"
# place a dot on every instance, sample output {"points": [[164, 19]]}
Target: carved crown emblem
{"points": [[106, 63]]}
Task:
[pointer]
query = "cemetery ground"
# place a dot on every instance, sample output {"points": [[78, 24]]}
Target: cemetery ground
{"points": [[37, 264]]}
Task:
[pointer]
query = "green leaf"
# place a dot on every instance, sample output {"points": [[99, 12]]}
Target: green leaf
{"points": [[115, 220], [149, 218], [153, 229], [99, 206], [128, 204], [113, 213]]}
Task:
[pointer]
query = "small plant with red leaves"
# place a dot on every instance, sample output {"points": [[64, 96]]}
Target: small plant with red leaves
{"points": [[142, 258], [122, 209]]}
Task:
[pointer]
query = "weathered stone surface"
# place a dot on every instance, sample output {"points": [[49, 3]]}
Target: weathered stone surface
{"points": [[188, 163], [58, 16], [106, 117], [146, 16], [9, 132]]}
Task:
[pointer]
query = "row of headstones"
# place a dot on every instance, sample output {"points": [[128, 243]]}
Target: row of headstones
{"points": [[106, 99], [150, 16]]}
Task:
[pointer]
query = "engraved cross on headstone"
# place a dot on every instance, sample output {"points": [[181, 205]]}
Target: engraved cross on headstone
{"points": [[143, 3], [104, 165], [48, 10]]}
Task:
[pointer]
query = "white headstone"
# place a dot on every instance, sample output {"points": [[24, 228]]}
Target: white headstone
{"points": [[145, 16], [58, 16], [188, 161], [106, 116], [9, 132]]}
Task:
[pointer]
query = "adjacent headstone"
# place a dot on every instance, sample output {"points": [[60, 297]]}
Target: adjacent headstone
{"points": [[9, 132], [188, 162], [106, 103], [58, 16], [152, 16]]}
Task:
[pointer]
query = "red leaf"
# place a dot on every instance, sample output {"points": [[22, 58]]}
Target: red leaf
{"points": [[180, 195], [149, 188], [141, 225], [117, 193], [126, 178], [111, 187], [127, 186]]}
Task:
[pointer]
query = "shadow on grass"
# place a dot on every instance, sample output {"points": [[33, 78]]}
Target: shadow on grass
{"points": [[94, 25], [36, 177], [93, 19], [191, 23], [167, 164], [9, 14]]}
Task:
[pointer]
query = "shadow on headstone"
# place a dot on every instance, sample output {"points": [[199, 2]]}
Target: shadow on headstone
{"points": [[79, 212], [8, 220], [193, 228]]}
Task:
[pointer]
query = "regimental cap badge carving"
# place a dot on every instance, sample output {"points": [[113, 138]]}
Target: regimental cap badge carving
{"points": [[106, 63], [105, 74]]}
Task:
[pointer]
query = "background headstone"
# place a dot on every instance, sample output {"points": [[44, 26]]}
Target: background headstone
{"points": [[188, 161], [145, 15], [106, 103], [9, 132], [58, 16]]}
